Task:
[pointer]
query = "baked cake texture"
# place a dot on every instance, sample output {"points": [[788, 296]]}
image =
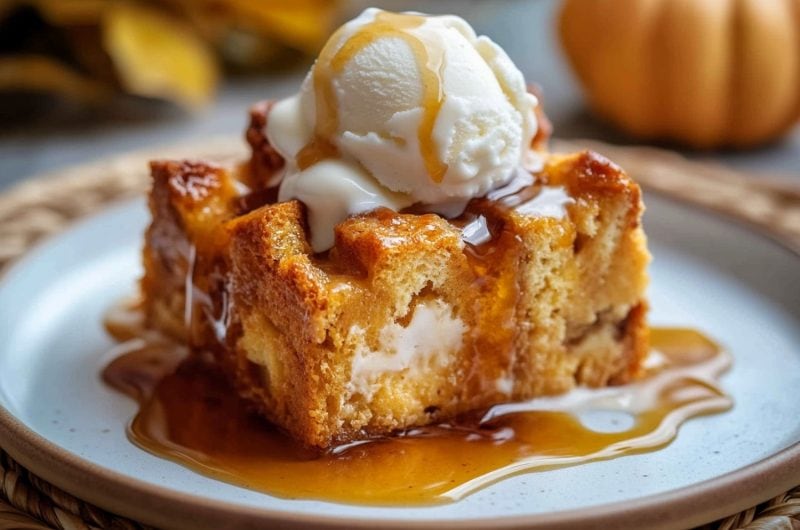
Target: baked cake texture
{"points": [[410, 318]]}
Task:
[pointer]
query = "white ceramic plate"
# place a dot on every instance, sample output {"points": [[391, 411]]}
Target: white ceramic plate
{"points": [[59, 420]]}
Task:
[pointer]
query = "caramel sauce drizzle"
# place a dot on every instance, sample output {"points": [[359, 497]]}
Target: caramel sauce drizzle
{"points": [[332, 60], [190, 414]]}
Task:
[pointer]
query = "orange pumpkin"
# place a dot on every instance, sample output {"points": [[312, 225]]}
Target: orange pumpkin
{"points": [[706, 73]]}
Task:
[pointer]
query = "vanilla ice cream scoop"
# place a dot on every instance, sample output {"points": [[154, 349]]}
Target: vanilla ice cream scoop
{"points": [[402, 109]]}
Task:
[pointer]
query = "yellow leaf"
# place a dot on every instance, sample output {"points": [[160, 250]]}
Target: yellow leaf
{"points": [[43, 74], [303, 24], [71, 12], [158, 56], [300, 24]]}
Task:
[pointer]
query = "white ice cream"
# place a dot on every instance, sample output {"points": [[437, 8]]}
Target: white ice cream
{"points": [[401, 109]]}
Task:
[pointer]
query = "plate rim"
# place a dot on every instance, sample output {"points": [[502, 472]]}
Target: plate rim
{"points": [[704, 501]]}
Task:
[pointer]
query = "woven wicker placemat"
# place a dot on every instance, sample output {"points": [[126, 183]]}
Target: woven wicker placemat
{"points": [[45, 206]]}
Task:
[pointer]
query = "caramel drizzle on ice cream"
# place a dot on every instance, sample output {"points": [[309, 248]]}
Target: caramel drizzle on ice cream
{"points": [[333, 59]]}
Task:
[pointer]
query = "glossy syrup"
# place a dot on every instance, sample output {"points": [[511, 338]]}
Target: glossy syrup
{"points": [[335, 56], [188, 413]]}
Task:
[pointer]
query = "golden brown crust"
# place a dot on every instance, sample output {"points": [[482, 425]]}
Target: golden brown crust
{"points": [[188, 202]]}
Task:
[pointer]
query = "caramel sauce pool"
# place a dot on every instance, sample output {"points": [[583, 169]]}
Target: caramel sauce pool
{"points": [[189, 413]]}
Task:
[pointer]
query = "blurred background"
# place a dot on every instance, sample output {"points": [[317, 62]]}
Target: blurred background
{"points": [[85, 79]]}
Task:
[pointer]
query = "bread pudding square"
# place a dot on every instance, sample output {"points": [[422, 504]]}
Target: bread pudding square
{"points": [[406, 320]]}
